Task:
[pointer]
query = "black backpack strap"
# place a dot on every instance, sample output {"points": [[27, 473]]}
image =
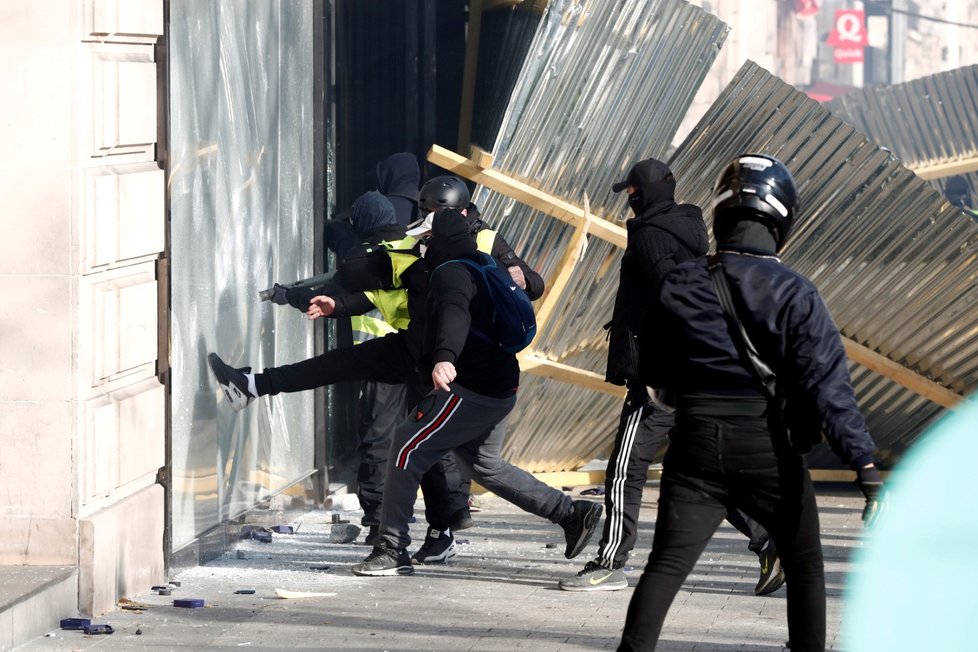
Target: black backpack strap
{"points": [[762, 372]]}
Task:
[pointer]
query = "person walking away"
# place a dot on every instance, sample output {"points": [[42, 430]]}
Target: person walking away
{"points": [[731, 447], [661, 235]]}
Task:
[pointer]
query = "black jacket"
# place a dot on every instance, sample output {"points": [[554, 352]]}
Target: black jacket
{"points": [[688, 348], [456, 303], [501, 251], [661, 237]]}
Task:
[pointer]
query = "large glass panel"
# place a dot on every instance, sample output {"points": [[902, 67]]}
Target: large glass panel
{"points": [[241, 198]]}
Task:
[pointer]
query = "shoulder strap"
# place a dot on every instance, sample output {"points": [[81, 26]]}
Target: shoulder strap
{"points": [[762, 371]]}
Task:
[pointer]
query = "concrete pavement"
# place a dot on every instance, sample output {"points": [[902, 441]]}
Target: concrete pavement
{"points": [[500, 593]]}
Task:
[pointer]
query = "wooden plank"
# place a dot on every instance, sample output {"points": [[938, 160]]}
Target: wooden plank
{"points": [[572, 254], [526, 194], [901, 375], [534, 363], [947, 169]]}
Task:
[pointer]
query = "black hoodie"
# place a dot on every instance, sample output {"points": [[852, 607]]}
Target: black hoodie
{"points": [[456, 301], [398, 177], [660, 237]]}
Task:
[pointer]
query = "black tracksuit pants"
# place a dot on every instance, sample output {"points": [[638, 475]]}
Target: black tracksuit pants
{"points": [[642, 430], [384, 360], [715, 464]]}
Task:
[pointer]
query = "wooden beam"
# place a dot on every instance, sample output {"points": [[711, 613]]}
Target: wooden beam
{"points": [[947, 169], [901, 375], [572, 254], [526, 194], [534, 363]]}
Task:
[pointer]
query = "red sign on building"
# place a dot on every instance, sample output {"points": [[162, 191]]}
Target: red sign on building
{"points": [[848, 35]]}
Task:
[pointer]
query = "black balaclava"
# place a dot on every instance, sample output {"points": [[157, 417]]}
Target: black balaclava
{"points": [[743, 229], [450, 238], [654, 186]]}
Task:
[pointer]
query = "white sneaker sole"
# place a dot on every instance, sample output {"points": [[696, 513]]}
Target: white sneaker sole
{"points": [[606, 586], [450, 551], [399, 570]]}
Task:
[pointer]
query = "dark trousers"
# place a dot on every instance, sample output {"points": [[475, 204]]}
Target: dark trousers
{"points": [[467, 423], [642, 430], [715, 464], [388, 360], [382, 409]]}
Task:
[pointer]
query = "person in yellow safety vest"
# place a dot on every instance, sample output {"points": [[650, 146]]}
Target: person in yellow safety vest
{"points": [[392, 358]]}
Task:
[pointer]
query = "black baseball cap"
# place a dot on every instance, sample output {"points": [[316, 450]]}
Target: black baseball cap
{"points": [[644, 173]]}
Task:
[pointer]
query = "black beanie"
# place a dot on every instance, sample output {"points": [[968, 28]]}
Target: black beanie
{"points": [[370, 211]]}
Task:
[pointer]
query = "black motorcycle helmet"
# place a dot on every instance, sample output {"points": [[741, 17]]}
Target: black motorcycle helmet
{"points": [[444, 192], [761, 183]]}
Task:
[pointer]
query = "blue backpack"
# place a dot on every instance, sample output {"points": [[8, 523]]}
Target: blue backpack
{"points": [[513, 322]]}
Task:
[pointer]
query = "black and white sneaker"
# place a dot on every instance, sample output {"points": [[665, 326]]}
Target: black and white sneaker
{"points": [[438, 548], [385, 560], [595, 577], [772, 575], [238, 385], [580, 526]]}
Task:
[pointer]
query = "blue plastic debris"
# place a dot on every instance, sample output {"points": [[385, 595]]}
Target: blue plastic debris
{"points": [[75, 623], [245, 591], [188, 603]]}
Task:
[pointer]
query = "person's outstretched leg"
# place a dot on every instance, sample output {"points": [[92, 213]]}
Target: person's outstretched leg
{"points": [[480, 458]]}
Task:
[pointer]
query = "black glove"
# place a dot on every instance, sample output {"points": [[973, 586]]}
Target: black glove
{"points": [[871, 484], [279, 297]]}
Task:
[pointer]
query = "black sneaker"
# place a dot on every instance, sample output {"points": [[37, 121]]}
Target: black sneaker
{"points": [[438, 548], [772, 575], [385, 560], [595, 577], [579, 527], [234, 382]]}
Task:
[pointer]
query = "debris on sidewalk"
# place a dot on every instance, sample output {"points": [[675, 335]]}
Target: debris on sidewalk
{"points": [[245, 592], [75, 623], [292, 595], [189, 603], [344, 533], [283, 529], [256, 532], [98, 629], [129, 605]]}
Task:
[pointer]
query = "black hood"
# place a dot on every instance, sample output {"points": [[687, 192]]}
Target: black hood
{"points": [[684, 221], [451, 237], [398, 174], [371, 211]]}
